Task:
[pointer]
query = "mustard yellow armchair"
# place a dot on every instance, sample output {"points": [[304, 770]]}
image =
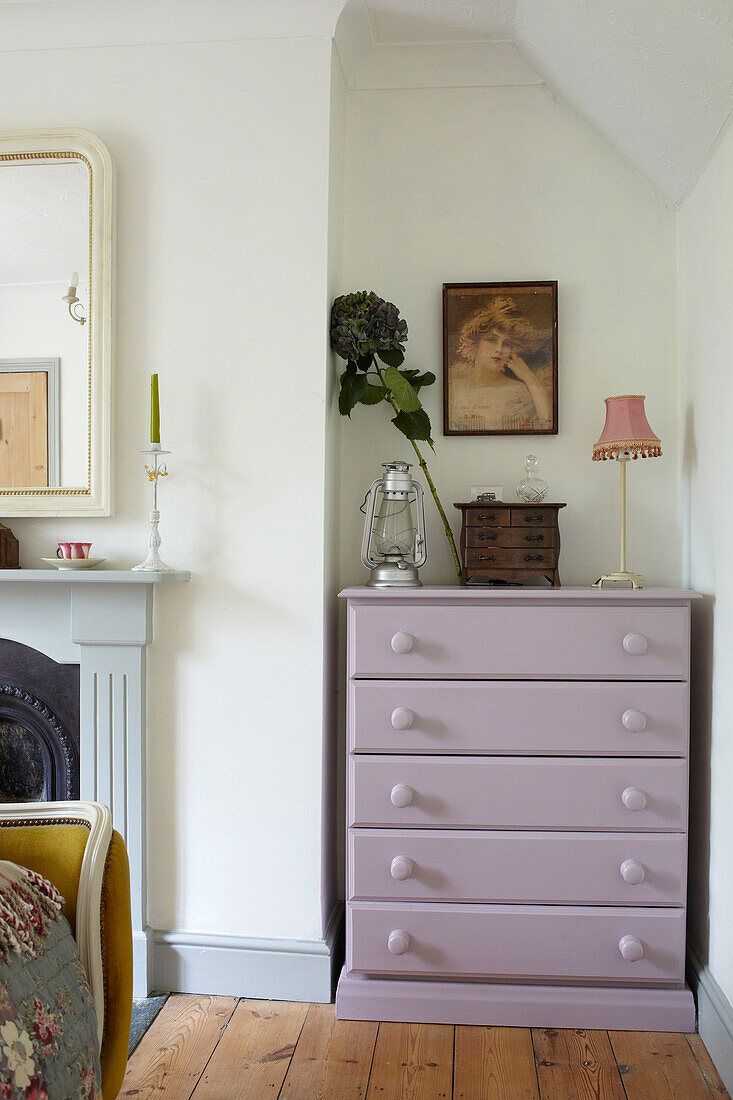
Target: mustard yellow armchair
{"points": [[74, 846]]}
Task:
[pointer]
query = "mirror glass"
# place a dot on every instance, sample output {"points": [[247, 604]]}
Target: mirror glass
{"points": [[44, 344]]}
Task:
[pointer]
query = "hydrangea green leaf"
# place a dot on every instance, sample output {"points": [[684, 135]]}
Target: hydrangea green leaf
{"points": [[402, 391]]}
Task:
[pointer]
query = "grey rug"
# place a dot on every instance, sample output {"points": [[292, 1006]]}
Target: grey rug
{"points": [[144, 1012]]}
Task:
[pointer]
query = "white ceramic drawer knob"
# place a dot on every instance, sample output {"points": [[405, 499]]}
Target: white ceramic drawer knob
{"points": [[402, 718], [402, 642], [401, 868], [634, 721], [398, 942], [632, 872], [635, 644], [401, 795], [631, 948], [633, 798]]}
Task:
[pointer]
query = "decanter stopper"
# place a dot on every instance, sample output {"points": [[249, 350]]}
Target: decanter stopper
{"points": [[532, 489]]}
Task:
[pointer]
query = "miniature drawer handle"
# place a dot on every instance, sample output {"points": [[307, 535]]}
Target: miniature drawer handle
{"points": [[401, 868], [534, 557], [402, 718], [486, 557], [489, 537], [635, 644], [488, 518], [534, 538], [398, 942], [631, 948], [533, 519], [634, 721], [402, 642], [401, 795], [632, 872], [633, 798]]}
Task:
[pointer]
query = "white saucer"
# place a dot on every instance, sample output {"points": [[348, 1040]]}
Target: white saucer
{"points": [[73, 563]]}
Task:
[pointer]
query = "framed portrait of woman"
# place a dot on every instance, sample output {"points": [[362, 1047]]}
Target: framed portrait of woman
{"points": [[500, 358]]}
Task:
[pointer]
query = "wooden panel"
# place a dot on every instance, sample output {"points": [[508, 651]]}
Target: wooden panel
{"points": [[576, 1065], [412, 1062], [707, 1068], [478, 537], [488, 515], [658, 1066], [23, 429], [532, 515], [254, 1052], [529, 557], [494, 1063], [517, 718], [515, 941], [173, 1053], [332, 1058], [549, 868], [530, 641], [507, 792]]}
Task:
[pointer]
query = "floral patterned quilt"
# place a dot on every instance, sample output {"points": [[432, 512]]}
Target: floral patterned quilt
{"points": [[48, 1026]]}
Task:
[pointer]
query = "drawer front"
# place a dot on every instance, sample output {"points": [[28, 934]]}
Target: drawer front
{"points": [[608, 719], [533, 517], [478, 538], [522, 642], [516, 941], [488, 516], [550, 868], [531, 557], [511, 793]]}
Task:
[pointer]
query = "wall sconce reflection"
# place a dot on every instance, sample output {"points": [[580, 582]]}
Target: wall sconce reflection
{"points": [[75, 307]]}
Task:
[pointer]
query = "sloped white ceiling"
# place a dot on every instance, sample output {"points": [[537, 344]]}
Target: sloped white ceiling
{"points": [[655, 76]]}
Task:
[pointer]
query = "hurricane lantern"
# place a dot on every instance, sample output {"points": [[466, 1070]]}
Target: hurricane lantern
{"points": [[393, 546]]}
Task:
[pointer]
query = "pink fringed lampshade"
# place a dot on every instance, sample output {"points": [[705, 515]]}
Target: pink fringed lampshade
{"points": [[626, 431]]}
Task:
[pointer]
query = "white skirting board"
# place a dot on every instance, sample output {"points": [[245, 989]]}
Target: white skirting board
{"points": [[239, 966], [714, 1017]]}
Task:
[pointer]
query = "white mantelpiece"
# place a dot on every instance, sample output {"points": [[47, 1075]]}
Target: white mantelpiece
{"points": [[101, 620]]}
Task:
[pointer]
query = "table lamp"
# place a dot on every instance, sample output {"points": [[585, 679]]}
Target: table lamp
{"points": [[626, 434]]}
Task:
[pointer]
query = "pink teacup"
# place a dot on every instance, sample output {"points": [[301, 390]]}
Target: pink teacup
{"points": [[73, 550]]}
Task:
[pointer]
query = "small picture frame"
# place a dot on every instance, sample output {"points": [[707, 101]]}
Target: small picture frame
{"points": [[487, 493], [500, 358]]}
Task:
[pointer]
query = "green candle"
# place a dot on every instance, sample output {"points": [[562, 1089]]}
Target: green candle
{"points": [[154, 410]]}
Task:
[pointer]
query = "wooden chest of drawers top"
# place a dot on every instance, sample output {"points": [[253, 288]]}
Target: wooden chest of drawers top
{"points": [[509, 541]]}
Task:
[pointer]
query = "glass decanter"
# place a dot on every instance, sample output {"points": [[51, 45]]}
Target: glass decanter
{"points": [[532, 489]]}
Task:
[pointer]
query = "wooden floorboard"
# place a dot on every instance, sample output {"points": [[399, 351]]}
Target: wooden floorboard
{"points": [[215, 1048], [574, 1064], [658, 1066], [494, 1063], [707, 1069], [332, 1059], [412, 1062], [174, 1051], [253, 1055]]}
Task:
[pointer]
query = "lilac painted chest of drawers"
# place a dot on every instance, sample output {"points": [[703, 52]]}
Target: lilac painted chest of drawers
{"points": [[517, 807]]}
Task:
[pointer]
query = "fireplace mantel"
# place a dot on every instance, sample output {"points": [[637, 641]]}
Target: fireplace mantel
{"points": [[101, 620]]}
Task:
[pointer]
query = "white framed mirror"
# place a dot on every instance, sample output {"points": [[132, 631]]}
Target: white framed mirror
{"points": [[56, 312]]}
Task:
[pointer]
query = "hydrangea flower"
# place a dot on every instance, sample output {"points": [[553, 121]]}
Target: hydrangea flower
{"points": [[363, 324]]}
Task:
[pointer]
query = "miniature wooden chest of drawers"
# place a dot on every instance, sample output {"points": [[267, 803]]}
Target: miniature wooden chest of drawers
{"points": [[509, 541], [517, 807]]}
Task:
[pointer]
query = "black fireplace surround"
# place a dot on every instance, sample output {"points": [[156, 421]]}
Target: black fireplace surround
{"points": [[39, 726]]}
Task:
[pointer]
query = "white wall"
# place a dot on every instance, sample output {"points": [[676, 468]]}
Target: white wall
{"points": [[500, 184], [222, 156], [705, 229]]}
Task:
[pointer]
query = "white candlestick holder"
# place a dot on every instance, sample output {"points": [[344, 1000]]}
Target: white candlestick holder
{"points": [[153, 562]]}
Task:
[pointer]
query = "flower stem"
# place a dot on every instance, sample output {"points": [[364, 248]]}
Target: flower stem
{"points": [[424, 467]]}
